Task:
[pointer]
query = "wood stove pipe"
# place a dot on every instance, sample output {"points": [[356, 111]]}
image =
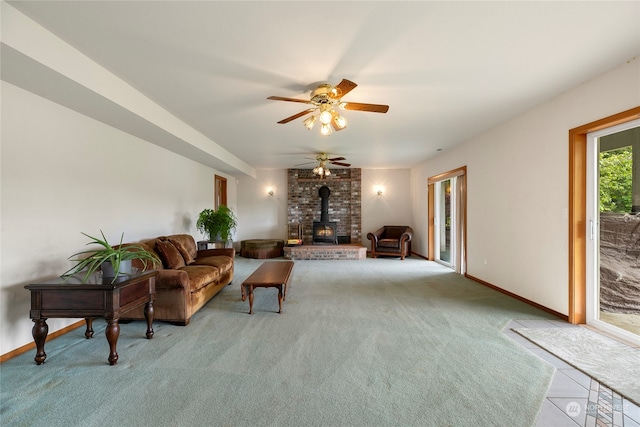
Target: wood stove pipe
{"points": [[324, 193]]}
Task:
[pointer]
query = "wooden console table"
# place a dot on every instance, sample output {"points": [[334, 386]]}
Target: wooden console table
{"points": [[97, 297]]}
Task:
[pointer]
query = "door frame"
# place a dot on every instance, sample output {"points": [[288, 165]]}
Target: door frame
{"points": [[219, 191], [431, 181], [578, 209], [438, 230]]}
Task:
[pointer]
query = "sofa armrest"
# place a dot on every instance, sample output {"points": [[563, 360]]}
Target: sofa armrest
{"points": [[230, 252], [173, 279]]}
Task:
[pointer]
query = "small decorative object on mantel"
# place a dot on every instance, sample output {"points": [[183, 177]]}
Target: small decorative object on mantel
{"points": [[113, 261], [218, 224]]}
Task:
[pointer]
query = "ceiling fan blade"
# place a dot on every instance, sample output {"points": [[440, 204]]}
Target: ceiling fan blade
{"points": [[295, 116], [344, 87], [305, 163], [336, 158], [282, 98], [374, 108], [341, 164]]}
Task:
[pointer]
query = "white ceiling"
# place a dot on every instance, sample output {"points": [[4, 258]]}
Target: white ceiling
{"points": [[448, 70]]}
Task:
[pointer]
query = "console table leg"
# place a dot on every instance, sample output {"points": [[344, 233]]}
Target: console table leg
{"points": [[148, 315], [280, 299], [89, 332], [250, 299], [112, 332], [39, 331]]}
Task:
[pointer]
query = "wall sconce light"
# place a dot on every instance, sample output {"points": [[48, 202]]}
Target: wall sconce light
{"points": [[270, 191], [379, 190]]}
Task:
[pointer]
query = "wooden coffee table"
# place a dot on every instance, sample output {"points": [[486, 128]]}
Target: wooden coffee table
{"points": [[271, 274], [97, 297]]}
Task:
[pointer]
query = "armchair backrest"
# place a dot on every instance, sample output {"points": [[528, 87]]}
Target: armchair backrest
{"points": [[394, 231]]}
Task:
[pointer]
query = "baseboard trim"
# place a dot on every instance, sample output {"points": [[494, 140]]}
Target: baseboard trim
{"points": [[518, 297], [419, 255], [31, 346]]}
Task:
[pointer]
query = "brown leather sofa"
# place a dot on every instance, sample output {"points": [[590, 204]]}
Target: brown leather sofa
{"points": [[392, 240], [188, 278]]}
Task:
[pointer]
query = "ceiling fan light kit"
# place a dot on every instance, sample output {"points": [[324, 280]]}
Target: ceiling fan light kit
{"points": [[325, 98], [309, 122], [321, 171], [323, 160]]}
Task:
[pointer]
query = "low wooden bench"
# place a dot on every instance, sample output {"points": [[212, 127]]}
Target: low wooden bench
{"points": [[271, 274], [261, 248]]}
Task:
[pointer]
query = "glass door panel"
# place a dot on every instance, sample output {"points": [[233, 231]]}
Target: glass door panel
{"points": [[613, 292], [444, 223]]}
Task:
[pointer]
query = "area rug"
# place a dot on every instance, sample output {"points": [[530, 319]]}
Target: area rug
{"points": [[613, 363]]}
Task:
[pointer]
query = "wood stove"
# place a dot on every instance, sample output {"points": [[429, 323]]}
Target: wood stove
{"points": [[325, 231]]}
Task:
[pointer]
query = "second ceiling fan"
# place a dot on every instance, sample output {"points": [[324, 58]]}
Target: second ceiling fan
{"points": [[324, 100], [323, 161]]}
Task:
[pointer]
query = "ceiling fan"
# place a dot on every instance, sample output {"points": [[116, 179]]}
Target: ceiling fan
{"points": [[324, 99], [323, 160]]}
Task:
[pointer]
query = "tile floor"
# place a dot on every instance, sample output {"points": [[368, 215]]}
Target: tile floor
{"points": [[573, 398]]}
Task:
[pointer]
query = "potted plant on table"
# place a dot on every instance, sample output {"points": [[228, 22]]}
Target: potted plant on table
{"points": [[114, 261], [218, 224]]}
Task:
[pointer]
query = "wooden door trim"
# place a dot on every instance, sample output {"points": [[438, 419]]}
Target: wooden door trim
{"points": [[431, 227], [223, 191], [578, 210], [462, 170]]}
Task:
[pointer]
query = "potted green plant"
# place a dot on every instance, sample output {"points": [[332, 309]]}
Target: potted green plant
{"points": [[113, 261], [217, 224]]}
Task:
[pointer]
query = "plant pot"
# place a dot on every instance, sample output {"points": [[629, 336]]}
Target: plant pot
{"points": [[210, 244], [107, 268]]}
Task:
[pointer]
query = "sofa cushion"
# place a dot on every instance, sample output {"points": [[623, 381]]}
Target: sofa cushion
{"points": [[187, 241], [147, 245], [169, 255], [200, 275], [224, 263], [389, 243], [186, 255]]}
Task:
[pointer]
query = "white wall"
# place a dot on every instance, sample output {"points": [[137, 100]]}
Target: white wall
{"points": [[393, 207], [262, 216], [63, 173], [518, 189]]}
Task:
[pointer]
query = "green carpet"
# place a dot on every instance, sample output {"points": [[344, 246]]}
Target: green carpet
{"points": [[612, 363], [377, 342]]}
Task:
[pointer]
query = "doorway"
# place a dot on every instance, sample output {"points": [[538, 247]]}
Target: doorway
{"points": [[219, 192], [613, 230], [578, 209], [447, 215], [445, 229]]}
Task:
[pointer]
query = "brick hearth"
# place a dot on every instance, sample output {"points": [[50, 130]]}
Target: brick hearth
{"points": [[320, 252]]}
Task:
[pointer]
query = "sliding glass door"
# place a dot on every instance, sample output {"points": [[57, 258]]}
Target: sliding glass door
{"points": [[447, 213], [613, 230], [445, 225]]}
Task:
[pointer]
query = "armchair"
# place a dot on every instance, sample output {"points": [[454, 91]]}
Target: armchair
{"points": [[393, 240]]}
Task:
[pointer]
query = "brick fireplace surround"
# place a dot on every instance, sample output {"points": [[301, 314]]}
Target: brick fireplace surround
{"points": [[345, 206]]}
